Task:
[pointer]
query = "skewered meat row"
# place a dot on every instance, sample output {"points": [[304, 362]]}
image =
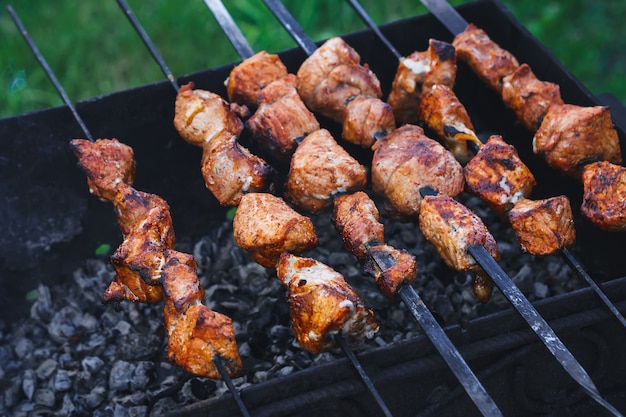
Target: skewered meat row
{"points": [[147, 267]]}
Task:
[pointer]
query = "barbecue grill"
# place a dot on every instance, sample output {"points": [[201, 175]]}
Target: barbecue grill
{"points": [[53, 225]]}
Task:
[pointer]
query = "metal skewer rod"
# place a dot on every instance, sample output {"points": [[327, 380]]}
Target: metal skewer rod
{"points": [[565, 253]]}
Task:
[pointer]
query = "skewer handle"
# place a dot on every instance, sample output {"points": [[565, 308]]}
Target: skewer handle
{"points": [[373, 26], [289, 23], [231, 29]]}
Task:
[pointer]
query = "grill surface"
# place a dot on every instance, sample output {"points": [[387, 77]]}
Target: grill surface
{"points": [[44, 240]]}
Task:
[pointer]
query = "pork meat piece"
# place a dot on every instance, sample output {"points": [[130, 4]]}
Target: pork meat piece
{"points": [[571, 136], [604, 196], [247, 79], [543, 227], [357, 220], [528, 97], [266, 226], [332, 76], [408, 160], [281, 120], [321, 169], [390, 268], [498, 176], [107, 164], [365, 120], [322, 304], [201, 115], [485, 57]]}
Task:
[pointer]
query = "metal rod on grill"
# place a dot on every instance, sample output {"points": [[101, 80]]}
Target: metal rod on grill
{"points": [[500, 278], [565, 253]]}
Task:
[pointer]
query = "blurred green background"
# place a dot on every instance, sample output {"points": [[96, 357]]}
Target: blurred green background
{"points": [[93, 50]]}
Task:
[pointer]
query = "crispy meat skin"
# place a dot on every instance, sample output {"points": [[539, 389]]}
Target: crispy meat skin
{"points": [[247, 79], [332, 76], [485, 57], [442, 111], [201, 115], [266, 226], [281, 119], [406, 161], [365, 120], [543, 227], [571, 136], [452, 228], [356, 218], [320, 169], [322, 304], [419, 72], [604, 197], [498, 176], [107, 164], [528, 97]]}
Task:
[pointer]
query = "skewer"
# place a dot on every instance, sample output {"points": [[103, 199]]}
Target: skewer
{"points": [[565, 252], [491, 267], [217, 360]]}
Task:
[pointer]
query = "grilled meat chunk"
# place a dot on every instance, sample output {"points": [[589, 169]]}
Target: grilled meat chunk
{"points": [[485, 57], [452, 228], [604, 197], [356, 218], [196, 333], [201, 115], [498, 176], [281, 119], [247, 79], [407, 160], [322, 304], [320, 169], [442, 111], [528, 97], [571, 136], [107, 164], [332, 76], [365, 120], [266, 226], [417, 73], [543, 227]]}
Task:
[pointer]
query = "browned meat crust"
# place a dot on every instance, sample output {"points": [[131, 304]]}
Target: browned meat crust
{"points": [[486, 58], [498, 176], [321, 169], [571, 136], [247, 79], [406, 161], [266, 226], [332, 76], [604, 197], [543, 227], [322, 304], [528, 97], [365, 120]]}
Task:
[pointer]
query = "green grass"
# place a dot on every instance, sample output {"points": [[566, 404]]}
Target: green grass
{"points": [[93, 50]]}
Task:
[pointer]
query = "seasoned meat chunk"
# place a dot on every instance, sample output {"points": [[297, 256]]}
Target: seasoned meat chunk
{"points": [[442, 111], [247, 79], [416, 74], [406, 161], [230, 170], [571, 136], [107, 164], [201, 115], [321, 169], [367, 119], [543, 227], [332, 76], [281, 119], [528, 97], [604, 197], [323, 304], [485, 57], [390, 268], [452, 228], [498, 176], [357, 220], [266, 226]]}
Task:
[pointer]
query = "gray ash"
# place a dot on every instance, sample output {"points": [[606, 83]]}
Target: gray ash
{"points": [[74, 356]]}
